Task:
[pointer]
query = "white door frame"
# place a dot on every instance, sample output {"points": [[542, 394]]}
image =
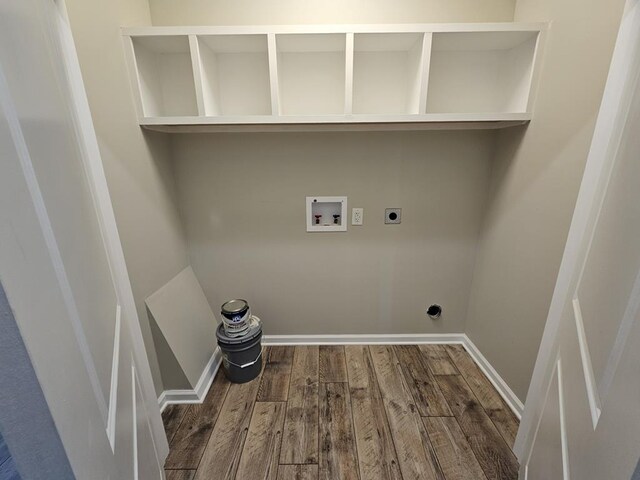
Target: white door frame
{"points": [[44, 118], [100, 192], [606, 139]]}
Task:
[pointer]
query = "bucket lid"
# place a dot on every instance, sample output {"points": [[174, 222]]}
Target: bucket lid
{"points": [[254, 331], [234, 306]]}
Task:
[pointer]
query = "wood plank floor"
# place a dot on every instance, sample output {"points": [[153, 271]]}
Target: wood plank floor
{"points": [[348, 412]]}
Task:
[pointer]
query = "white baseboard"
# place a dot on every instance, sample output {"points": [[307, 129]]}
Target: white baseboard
{"points": [[498, 382], [197, 394], [365, 339]]}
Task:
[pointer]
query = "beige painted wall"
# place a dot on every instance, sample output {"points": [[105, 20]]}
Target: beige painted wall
{"points": [[282, 12], [136, 163], [534, 185], [242, 198]]}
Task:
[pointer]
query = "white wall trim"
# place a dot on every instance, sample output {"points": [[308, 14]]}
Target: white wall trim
{"points": [[113, 391], [557, 371], [514, 403], [364, 339], [134, 427], [197, 394], [587, 367], [564, 439]]}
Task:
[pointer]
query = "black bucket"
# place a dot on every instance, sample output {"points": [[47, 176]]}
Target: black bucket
{"points": [[241, 356]]}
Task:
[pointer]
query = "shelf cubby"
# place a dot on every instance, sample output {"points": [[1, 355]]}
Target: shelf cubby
{"points": [[165, 75], [388, 73], [311, 73], [234, 74], [481, 72]]}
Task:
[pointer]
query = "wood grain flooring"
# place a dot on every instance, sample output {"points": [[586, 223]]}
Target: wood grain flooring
{"points": [[300, 437], [274, 386], [491, 401], [192, 435], [348, 412], [338, 455], [376, 451]]}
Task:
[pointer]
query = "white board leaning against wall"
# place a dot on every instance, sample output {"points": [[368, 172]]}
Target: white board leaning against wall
{"points": [[185, 319]]}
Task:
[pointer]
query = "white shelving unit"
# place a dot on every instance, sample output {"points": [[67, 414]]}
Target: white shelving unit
{"points": [[351, 77]]}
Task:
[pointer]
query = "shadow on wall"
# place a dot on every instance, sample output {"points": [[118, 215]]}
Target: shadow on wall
{"points": [[173, 377], [509, 142], [158, 145]]}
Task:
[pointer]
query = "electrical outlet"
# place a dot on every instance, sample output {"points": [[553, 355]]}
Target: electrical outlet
{"points": [[392, 215], [357, 215]]}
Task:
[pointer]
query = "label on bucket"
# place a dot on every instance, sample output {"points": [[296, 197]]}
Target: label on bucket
{"points": [[227, 362]]}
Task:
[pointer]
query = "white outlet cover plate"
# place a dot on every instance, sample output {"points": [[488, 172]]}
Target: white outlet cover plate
{"points": [[357, 216]]}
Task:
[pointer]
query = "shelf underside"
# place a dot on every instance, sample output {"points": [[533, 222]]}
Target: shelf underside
{"points": [[342, 124]]}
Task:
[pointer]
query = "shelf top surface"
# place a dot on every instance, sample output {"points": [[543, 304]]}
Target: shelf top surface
{"points": [[346, 28]]}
